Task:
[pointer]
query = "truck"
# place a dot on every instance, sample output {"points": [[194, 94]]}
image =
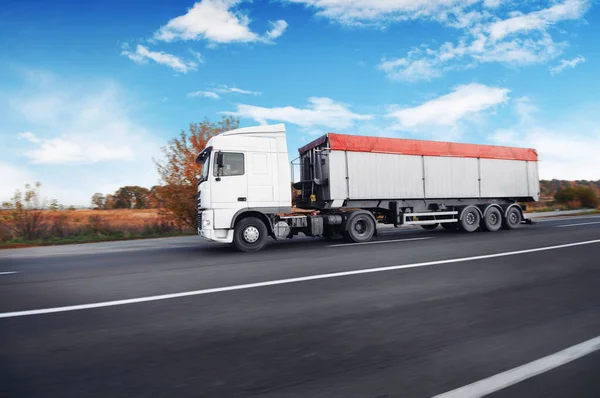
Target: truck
{"points": [[349, 184]]}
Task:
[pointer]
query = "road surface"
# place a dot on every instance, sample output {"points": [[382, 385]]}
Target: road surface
{"points": [[414, 314]]}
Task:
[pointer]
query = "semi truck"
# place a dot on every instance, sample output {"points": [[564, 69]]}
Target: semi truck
{"points": [[349, 184]]}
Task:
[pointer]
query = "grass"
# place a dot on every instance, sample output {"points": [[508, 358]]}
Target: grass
{"points": [[85, 226]]}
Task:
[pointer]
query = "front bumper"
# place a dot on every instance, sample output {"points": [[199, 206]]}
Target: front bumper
{"points": [[206, 231]]}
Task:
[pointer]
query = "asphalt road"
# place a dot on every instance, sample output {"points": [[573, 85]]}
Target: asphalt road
{"points": [[415, 314]]}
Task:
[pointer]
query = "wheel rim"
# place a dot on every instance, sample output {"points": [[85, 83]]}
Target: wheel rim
{"points": [[493, 218], [360, 227], [251, 234], [513, 218], [470, 218]]}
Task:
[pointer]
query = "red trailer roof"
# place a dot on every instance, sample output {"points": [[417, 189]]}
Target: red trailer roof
{"points": [[355, 143]]}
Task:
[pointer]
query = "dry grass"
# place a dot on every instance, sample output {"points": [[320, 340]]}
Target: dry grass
{"points": [[75, 226]]}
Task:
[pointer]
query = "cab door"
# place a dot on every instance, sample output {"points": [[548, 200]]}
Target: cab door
{"points": [[229, 192]]}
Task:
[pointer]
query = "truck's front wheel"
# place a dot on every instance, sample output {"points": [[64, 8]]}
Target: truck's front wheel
{"points": [[250, 234]]}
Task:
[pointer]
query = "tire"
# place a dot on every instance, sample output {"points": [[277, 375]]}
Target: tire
{"points": [[470, 219], [430, 227], [250, 234], [360, 227], [450, 226], [492, 221], [513, 218]]}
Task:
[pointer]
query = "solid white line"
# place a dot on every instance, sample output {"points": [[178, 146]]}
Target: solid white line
{"points": [[575, 225], [283, 281], [9, 272], [378, 241], [516, 375], [561, 218]]}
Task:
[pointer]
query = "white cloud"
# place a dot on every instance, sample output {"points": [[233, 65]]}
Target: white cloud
{"points": [[320, 111], [411, 68], [218, 21], [375, 12], [206, 94], [222, 89], [225, 89], [539, 20], [566, 63], [277, 29], [143, 54], [80, 138], [517, 40], [29, 136], [449, 109]]}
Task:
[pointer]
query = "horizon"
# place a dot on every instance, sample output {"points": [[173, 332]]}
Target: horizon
{"points": [[89, 98]]}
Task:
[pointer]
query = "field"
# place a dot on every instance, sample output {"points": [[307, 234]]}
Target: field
{"points": [[74, 226]]}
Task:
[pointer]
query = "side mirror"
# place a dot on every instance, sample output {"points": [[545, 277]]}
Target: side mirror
{"points": [[220, 161]]}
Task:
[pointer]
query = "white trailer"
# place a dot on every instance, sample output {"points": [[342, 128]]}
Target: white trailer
{"points": [[354, 182]]}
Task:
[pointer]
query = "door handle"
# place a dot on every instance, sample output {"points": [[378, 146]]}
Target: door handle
{"points": [[218, 179], [241, 199]]}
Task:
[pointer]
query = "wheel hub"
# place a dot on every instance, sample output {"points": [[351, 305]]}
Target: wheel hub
{"points": [[513, 218], [493, 219], [251, 234], [470, 218], [360, 227]]}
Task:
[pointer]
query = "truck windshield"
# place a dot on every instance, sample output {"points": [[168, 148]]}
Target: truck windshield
{"points": [[204, 161]]}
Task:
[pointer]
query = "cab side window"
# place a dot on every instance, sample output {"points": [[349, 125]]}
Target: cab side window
{"points": [[233, 165]]}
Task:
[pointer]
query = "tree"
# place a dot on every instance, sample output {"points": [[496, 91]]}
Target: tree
{"points": [[54, 205], [25, 217], [588, 197], [566, 195], [179, 172], [130, 197], [98, 201]]}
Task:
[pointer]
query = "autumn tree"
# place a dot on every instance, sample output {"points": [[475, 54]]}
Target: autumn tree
{"points": [[179, 172], [98, 201]]}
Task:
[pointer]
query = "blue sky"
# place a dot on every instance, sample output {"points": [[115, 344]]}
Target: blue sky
{"points": [[90, 91]]}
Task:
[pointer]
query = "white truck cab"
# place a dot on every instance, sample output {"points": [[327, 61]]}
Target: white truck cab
{"points": [[245, 174]]}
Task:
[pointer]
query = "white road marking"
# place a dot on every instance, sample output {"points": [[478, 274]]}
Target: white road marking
{"points": [[379, 241], [516, 375], [575, 225], [284, 281], [548, 219], [9, 272]]}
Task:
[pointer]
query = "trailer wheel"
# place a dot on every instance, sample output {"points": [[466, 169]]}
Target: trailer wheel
{"points": [[429, 227], [250, 234], [512, 219], [360, 227], [492, 221], [470, 219]]}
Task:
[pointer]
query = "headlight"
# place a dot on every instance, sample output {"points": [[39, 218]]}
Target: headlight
{"points": [[206, 223]]}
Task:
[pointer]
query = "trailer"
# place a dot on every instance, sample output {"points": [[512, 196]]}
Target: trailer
{"points": [[352, 183]]}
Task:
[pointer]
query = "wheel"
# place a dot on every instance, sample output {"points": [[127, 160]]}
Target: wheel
{"points": [[451, 226], [429, 226], [492, 221], [470, 219], [512, 219], [250, 234], [360, 227]]}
